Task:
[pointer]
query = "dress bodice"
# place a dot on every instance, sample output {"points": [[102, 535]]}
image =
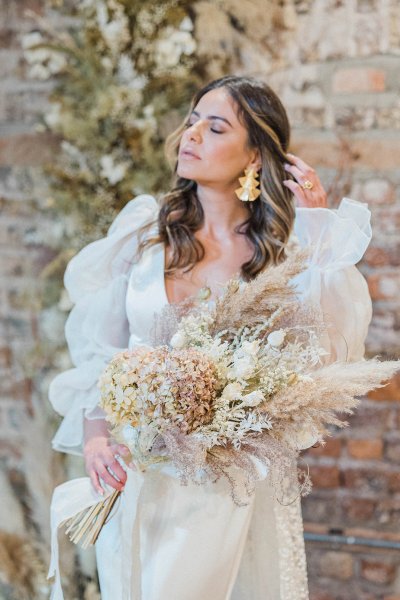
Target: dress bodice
{"points": [[145, 295]]}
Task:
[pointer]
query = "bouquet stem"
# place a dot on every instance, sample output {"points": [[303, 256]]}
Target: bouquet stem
{"points": [[85, 526]]}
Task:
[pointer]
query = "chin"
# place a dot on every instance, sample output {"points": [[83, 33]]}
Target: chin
{"points": [[186, 172]]}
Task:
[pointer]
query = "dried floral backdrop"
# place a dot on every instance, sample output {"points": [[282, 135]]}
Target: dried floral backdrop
{"points": [[123, 72]]}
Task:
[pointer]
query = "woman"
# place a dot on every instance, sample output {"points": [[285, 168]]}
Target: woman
{"points": [[169, 541]]}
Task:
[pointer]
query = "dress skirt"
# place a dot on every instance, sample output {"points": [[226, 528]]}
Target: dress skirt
{"points": [[169, 541]]}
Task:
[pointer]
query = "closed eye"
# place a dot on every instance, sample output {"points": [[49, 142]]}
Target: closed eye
{"points": [[187, 125]]}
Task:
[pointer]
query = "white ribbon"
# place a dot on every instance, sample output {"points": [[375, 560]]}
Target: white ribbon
{"points": [[131, 574], [68, 499], [76, 495]]}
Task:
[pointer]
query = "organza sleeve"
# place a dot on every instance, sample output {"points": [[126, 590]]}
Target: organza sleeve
{"points": [[97, 327], [337, 240]]}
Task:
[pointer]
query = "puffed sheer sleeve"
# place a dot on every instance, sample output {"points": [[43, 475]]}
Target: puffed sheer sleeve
{"points": [[337, 240], [97, 327]]}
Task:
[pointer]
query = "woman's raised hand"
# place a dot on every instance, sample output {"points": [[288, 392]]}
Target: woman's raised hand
{"points": [[307, 188], [100, 456]]}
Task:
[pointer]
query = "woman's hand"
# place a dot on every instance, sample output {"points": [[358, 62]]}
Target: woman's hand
{"points": [[307, 188], [100, 456]]}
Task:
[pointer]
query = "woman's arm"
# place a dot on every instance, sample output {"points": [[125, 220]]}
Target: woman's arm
{"points": [[337, 240], [97, 328]]}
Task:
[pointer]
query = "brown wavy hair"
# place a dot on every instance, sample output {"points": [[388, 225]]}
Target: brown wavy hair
{"points": [[271, 216]]}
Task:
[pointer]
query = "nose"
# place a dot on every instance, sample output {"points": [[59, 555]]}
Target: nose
{"points": [[194, 132]]}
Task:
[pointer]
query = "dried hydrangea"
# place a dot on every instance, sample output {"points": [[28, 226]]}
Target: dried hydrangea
{"points": [[159, 388]]}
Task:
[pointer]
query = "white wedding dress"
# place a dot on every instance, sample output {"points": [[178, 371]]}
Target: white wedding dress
{"points": [[174, 542]]}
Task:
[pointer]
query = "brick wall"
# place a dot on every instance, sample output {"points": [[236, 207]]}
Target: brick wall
{"points": [[343, 96], [337, 70], [22, 150]]}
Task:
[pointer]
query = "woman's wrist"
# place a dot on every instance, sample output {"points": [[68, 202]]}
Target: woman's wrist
{"points": [[93, 428]]}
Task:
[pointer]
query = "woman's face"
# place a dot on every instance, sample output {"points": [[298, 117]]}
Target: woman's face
{"points": [[212, 150]]}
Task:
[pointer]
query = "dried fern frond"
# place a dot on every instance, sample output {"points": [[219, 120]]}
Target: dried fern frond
{"points": [[334, 389], [261, 296], [37, 450], [20, 567]]}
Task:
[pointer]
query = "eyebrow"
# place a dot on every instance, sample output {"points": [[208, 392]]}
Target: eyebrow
{"points": [[194, 112]]}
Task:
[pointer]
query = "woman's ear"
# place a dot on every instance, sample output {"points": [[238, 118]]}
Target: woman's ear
{"points": [[255, 162]]}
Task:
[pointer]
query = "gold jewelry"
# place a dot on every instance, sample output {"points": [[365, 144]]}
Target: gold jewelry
{"points": [[204, 293], [248, 190], [307, 185]]}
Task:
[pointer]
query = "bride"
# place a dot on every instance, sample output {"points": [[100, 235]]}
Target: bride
{"points": [[168, 541]]}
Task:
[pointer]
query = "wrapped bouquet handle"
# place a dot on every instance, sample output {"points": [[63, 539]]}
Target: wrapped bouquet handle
{"points": [[68, 499], [76, 498]]}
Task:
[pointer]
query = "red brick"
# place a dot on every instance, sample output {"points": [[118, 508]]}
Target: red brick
{"points": [[324, 151], [338, 565], [321, 595], [333, 448], [324, 476], [377, 418], [365, 449], [378, 572], [368, 480], [5, 357], [383, 257], [358, 80], [392, 451], [28, 150], [384, 286], [359, 510], [318, 510], [391, 391], [386, 219], [394, 482], [378, 191]]}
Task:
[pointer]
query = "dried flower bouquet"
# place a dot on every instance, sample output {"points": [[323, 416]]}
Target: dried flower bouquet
{"points": [[232, 386]]}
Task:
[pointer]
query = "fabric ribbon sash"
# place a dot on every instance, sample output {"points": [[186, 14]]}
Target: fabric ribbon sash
{"points": [[76, 495]]}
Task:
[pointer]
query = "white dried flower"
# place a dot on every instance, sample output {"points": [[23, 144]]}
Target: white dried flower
{"points": [[232, 391], [178, 340], [174, 43], [186, 24], [31, 39], [128, 75], [276, 338], [56, 62], [111, 171], [52, 118], [253, 398], [116, 31], [242, 368], [38, 71]]}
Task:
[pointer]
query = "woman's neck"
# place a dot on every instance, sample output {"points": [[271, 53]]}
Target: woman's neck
{"points": [[223, 211]]}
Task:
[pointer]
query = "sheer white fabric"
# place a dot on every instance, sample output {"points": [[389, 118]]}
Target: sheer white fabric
{"points": [[96, 280], [189, 543]]}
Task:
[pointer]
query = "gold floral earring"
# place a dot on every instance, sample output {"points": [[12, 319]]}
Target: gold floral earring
{"points": [[248, 191]]}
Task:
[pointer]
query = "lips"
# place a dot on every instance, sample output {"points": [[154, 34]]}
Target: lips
{"points": [[187, 152]]}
